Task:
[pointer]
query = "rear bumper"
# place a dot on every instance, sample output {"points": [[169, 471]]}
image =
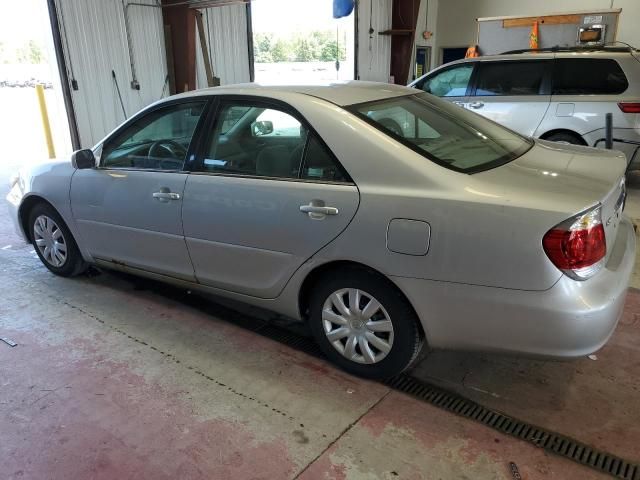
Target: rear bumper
{"points": [[571, 319]]}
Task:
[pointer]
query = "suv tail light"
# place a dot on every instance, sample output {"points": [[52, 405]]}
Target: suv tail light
{"points": [[629, 107], [577, 246]]}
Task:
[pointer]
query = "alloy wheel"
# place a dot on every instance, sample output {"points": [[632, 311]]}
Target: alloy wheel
{"points": [[50, 241], [357, 325]]}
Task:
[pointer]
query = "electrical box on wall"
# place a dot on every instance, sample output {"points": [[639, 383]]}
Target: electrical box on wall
{"points": [[591, 35], [423, 60]]}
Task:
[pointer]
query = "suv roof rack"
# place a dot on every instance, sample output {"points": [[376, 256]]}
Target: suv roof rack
{"points": [[557, 48]]}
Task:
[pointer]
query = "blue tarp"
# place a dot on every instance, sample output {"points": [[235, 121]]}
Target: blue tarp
{"points": [[342, 8]]}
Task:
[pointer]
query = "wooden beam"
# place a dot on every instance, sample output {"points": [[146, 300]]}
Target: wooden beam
{"points": [[543, 20], [181, 20], [404, 15], [211, 82]]}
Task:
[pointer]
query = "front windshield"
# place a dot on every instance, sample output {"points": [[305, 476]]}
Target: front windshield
{"points": [[445, 133]]}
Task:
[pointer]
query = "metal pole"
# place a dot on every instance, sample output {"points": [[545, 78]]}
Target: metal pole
{"points": [[45, 120], [608, 131]]}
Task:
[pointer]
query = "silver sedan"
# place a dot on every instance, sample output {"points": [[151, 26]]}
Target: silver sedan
{"points": [[389, 220]]}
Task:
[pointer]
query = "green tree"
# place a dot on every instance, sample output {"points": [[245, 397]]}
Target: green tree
{"points": [[280, 51], [262, 48], [30, 53], [330, 50], [303, 50]]}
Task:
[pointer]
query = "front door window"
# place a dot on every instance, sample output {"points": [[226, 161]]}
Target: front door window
{"points": [[157, 141]]}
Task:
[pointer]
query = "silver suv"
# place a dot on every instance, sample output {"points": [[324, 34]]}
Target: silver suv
{"points": [[559, 94]]}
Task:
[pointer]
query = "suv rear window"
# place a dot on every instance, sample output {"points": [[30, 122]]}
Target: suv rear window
{"points": [[444, 133], [588, 76]]}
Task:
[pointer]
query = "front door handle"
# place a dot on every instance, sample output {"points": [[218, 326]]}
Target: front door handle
{"points": [[164, 195], [317, 210], [476, 105], [320, 210]]}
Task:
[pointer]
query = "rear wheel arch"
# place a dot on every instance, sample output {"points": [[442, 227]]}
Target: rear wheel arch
{"points": [[334, 267], [563, 132]]}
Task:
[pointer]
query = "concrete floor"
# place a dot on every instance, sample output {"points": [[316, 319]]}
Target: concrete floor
{"points": [[115, 378]]}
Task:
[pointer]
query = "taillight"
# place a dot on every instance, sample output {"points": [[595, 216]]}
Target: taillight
{"points": [[577, 246], [629, 107]]}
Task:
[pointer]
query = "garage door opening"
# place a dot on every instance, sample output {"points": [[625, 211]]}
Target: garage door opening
{"points": [[27, 58], [301, 42]]}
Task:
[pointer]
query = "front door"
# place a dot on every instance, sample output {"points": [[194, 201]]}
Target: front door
{"points": [[268, 194], [128, 209], [449, 83], [513, 93]]}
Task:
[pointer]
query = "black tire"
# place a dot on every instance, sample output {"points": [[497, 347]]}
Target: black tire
{"points": [[408, 339], [566, 137], [73, 264]]}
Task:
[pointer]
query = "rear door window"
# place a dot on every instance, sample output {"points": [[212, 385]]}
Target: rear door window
{"points": [[588, 76], [510, 78]]}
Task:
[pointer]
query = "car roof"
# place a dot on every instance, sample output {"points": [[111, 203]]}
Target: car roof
{"points": [[548, 54], [340, 93]]}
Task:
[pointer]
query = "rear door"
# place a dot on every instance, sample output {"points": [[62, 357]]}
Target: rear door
{"points": [[584, 90], [258, 205], [514, 93]]}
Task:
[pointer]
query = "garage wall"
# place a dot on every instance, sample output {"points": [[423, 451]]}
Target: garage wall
{"points": [[427, 21], [374, 54], [458, 30], [228, 44], [94, 43]]}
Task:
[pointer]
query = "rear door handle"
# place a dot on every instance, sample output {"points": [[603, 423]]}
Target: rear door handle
{"points": [[318, 210], [166, 196], [476, 105]]}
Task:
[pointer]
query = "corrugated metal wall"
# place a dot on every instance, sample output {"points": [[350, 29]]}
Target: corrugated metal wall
{"points": [[228, 44], [95, 43], [374, 51]]}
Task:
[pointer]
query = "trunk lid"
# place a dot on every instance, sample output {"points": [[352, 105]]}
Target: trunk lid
{"points": [[566, 180]]}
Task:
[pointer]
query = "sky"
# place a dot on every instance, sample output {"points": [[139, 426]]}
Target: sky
{"points": [[287, 16], [24, 20]]}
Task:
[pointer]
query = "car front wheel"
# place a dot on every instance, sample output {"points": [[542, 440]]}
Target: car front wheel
{"points": [[53, 242], [364, 324]]}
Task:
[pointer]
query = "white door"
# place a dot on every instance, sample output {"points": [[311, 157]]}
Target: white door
{"points": [[513, 93]]}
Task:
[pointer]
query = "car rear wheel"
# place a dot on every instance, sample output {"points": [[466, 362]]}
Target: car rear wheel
{"points": [[364, 324], [565, 137], [53, 242]]}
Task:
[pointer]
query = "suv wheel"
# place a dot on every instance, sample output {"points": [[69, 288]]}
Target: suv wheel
{"points": [[364, 324]]}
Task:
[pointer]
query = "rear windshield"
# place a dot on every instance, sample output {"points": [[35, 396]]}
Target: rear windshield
{"points": [[444, 133]]}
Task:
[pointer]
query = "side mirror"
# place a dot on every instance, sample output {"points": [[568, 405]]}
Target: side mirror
{"points": [[263, 127], [82, 159]]}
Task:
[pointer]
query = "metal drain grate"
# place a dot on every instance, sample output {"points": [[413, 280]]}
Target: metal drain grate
{"points": [[540, 437], [552, 442]]}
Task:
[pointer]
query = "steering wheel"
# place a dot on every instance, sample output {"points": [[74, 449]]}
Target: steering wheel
{"points": [[173, 148]]}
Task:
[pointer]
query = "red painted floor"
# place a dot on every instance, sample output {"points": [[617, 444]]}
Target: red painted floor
{"points": [[110, 382]]}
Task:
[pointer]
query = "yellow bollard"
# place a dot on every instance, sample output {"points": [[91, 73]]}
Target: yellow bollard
{"points": [[45, 120]]}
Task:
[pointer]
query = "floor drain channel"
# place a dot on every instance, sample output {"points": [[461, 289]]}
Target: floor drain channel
{"points": [[550, 441]]}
